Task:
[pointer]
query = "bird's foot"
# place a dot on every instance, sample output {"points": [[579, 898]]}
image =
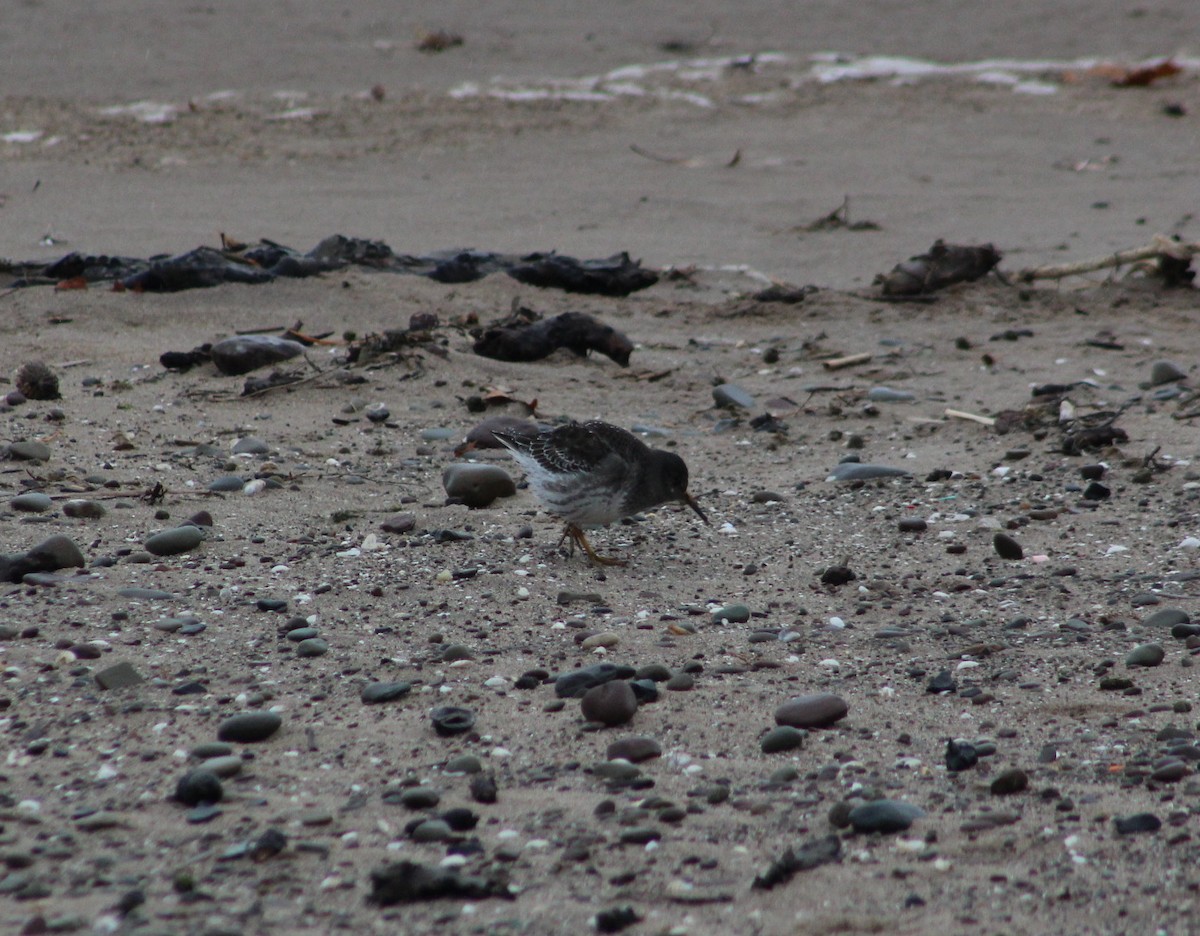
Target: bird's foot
{"points": [[575, 535]]}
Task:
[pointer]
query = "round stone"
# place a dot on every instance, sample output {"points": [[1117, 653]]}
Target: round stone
{"points": [[173, 542], [884, 816], [312, 647], [477, 485], [227, 484], [81, 509], [29, 451], [249, 727], [634, 749], [1145, 655], [32, 502], [432, 830], [681, 682], [612, 703], [1009, 782], [56, 552], [819, 710], [464, 764], [379, 692], [1167, 617], [199, 786], [420, 798], [782, 738], [605, 639], [733, 397], [913, 525], [250, 445]]}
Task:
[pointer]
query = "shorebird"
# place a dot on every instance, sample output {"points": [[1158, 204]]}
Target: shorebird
{"points": [[593, 473]]}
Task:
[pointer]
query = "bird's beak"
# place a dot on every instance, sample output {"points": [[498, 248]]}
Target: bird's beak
{"points": [[691, 502]]}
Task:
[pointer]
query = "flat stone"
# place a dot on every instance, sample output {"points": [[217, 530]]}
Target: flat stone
{"points": [[145, 594], [889, 395], [574, 684], [1138, 823], [1009, 782], [173, 542], [731, 614], [31, 502], [1145, 655], [732, 396], [249, 727], [1167, 617], [119, 676], [226, 484], [634, 749], [863, 471], [83, 509], [379, 692], [1164, 372], [312, 647], [477, 485], [250, 445], [885, 816], [819, 710], [29, 451]]}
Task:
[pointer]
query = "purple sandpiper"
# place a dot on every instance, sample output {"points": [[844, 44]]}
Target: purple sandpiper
{"points": [[591, 474]]}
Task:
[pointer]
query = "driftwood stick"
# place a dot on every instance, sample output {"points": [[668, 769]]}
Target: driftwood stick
{"points": [[850, 360], [970, 417], [1161, 246]]}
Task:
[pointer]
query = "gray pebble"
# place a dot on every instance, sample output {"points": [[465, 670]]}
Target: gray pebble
{"points": [[888, 395], [681, 682], [1145, 655], [612, 703], [249, 727], [199, 786], [301, 633], [227, 483], [432, 830], [732, 396], [477, 485], [884, 816], [574, 684], [379, 692], [81, 509], [312, 647], [145, 594], [119, 676], [451, 720], [1163, 372], [29, 451], [420, 798], [818, 710], [731, 614], [782, 738], [56, 552], [1167, 617], [173, 542], [464, 764], [206, 749], [228, 765], [32, 502], [250, 445], [863, 471], [635, 749], [437, 434]]}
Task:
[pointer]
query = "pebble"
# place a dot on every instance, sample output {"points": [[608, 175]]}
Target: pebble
{"points": [[227, 484], [888, 395], [206, 749], [431, 830], [249, 727], [119, 676], [1164, 372], [912, 525], [960, 755], [681, 682], [449, 720], [863, 471], [1013, 780], [145, 594], [82, 509], [1137, 823], [312, 647], [463, 764], [199, 786], [250, 445], [477, 485], [399, 523], [782, 738], [634, 749], [819, 710], [612, 703], [483, 788], [574, 684], [32, 502], [942, 682], [380, 692], [298, 634], [29, 451], [420, 797], [1145, 655], [1006, 547], [883, 816], [173, 542], [1167, 617], [732, 396], [731, 614], [228, 765], [241, 354], [604, 639]]}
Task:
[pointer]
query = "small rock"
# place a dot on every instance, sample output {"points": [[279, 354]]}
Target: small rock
{"points": [[612, 703], [29, 451], [888, 395], [81, 509], [574, 684], [733, 397], [199, 786], [819, 710], [1164, 372], [862, 471], [1145, 655], [960, 755], [119, 676], [731, 614], [173, 542], [635, 749], [249, 727], [782, 738], [477, 485], [380, 692], [913, 525], [1137, 823], [942, 682], [312, 647], [1006, 547], [399, 523], [250, 445], [884, 816], [1167, 617], [1009, 782], [32, 502]]}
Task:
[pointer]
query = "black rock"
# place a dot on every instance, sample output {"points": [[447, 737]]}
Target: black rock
{"points": [[249, 727], [199, 786], [616, 919], [942, 682], [883, 816], [960, 755], [812, 854], [408, 882], [1006, 547], [574, 684], [1137, 823], [483, 789], [1009, 782]]}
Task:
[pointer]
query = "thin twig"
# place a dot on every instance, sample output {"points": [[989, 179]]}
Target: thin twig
{"points": [[1160, 246]]}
